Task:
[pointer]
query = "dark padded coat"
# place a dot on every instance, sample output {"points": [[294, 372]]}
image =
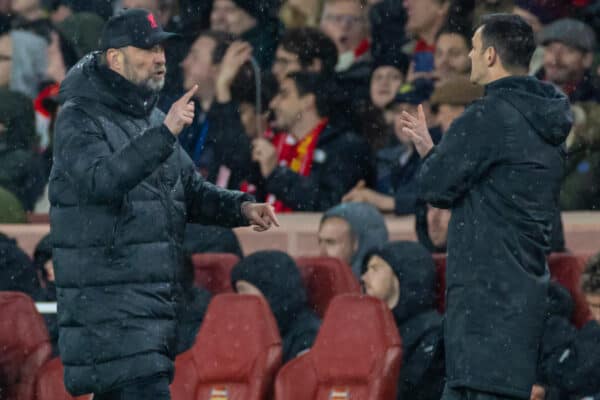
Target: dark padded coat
{"points": [[498, 167], [121, 191]]}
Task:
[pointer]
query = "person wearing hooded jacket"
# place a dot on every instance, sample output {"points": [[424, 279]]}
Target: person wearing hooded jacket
{"points": [[275, 276], [498, 168], [349, 231], [402, 274], [121, 190]]}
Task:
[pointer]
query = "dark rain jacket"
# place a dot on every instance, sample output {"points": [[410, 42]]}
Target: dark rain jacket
{"points": [[419, 323], [498, 167], [276, 275], [121, 191]]}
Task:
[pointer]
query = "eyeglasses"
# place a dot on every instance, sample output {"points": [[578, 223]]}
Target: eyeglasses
{"points": [[4, 57], [340, 19]]}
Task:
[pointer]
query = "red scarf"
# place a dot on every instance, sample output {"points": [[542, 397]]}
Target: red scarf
{"points": [[295, 155]]}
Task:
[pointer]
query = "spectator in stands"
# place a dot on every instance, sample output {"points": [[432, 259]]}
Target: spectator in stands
{"points": [[345, 22], [590, 284], [31, 16], [397, 164], [121, 192], [568, 57], [22, 61], [201, 67], [349, 231], [16, 270], [304, 49], [21, 170], [471, 171], [569, 47], [310, 167], [388, 75], [402, 274], [275, 276], [451, 56], [252, 21], [425, 19], [432, 227]]}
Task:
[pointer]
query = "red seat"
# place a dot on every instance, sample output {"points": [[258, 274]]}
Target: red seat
{"points": [[566, 269], [213, 271], [440, 285], [24, 345], [325, 278], [50, 383], [356, 355], [236, 354]]}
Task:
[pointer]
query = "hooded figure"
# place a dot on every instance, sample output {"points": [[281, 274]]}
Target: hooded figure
{"points": [[420, 325], [21, 170], [28, 62], [367, 226], [16, 271], [277, 277]]}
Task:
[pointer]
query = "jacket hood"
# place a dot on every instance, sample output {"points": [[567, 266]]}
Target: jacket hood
{"points": [[414, 267], [367, 225], [277, 276], [543, 105], [90, 80]]}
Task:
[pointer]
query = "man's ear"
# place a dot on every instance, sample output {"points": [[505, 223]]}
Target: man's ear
{"points": [[491, 56], [114, 59]]}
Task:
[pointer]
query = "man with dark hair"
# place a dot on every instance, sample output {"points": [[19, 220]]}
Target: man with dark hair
{"points": [[451, 56], [121, 191], [498, 168], [305, 49], [310, 167]]}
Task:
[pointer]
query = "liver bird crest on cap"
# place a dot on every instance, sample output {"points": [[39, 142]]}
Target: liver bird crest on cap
{"points": [[152, 21]]}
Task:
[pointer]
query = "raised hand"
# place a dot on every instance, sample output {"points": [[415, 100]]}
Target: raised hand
{"points": [[236, 55], [416, 128], [181, 113]]}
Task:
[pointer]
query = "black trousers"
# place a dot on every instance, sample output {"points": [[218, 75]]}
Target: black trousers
{"points": [[154, 388], [471, 394]]}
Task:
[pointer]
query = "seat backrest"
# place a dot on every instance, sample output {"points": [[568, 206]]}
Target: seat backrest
{"points": [[325, 278], [24, 345], [566, 269], [440, 283], [213, 271], [50, 383], [356, 355], [238, 349]]}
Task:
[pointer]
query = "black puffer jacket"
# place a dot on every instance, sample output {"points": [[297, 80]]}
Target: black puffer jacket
{"points": [[419, 323], [121, 190], [498, 167]]}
